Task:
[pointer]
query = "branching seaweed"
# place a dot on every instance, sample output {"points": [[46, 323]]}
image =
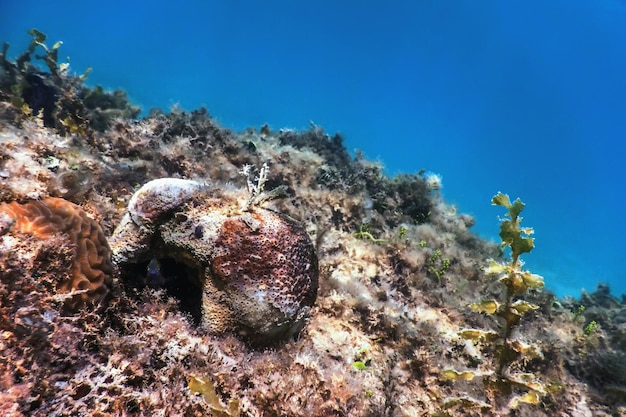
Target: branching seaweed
{"points": [[55, 96], [502, 382]]}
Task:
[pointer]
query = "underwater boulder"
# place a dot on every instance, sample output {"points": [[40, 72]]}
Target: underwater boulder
{"points": [[237, 268]]}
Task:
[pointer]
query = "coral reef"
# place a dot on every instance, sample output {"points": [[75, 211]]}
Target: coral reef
{"points": [[399, 269], [91, 268]]}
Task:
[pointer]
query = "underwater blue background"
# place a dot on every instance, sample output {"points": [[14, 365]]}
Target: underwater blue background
{"points": [[527, 97]]}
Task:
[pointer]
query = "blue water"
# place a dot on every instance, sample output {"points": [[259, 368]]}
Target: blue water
{"points": [[526, 97]]}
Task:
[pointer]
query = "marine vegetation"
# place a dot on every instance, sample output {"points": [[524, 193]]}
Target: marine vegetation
{"points": [[266, 272], [510, 309], [60, 99]]}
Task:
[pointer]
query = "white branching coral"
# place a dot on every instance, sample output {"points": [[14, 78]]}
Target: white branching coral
{"points": [[256, 184]]}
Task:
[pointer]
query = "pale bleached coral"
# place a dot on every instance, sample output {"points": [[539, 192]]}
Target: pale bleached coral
{"points": [[159, 197]]}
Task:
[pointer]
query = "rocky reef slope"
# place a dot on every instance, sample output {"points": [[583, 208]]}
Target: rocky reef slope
{"points": [[389, 272]]}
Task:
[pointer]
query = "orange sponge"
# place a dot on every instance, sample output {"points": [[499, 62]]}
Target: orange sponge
{"points": [[91, 268]]}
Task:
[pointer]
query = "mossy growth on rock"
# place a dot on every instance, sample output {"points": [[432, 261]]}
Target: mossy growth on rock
{"points": [[52, 93]]}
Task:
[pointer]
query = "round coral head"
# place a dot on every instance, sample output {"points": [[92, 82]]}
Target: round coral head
{"points": [[267, 264]]}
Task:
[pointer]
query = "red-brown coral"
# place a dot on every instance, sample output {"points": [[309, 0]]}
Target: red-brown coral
{"points": [[91, 270], [269, 267]]}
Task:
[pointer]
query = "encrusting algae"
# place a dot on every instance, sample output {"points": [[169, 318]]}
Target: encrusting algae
{"points": [[311, 285]]}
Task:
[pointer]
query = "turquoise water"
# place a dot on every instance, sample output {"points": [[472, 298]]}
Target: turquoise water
{"points": [[525, 97]]}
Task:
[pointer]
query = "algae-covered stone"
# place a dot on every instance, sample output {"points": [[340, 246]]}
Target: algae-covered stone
{"points": [[257, 269]]}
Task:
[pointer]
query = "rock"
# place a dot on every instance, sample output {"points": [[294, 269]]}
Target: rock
{"points": [[254, 271]]}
